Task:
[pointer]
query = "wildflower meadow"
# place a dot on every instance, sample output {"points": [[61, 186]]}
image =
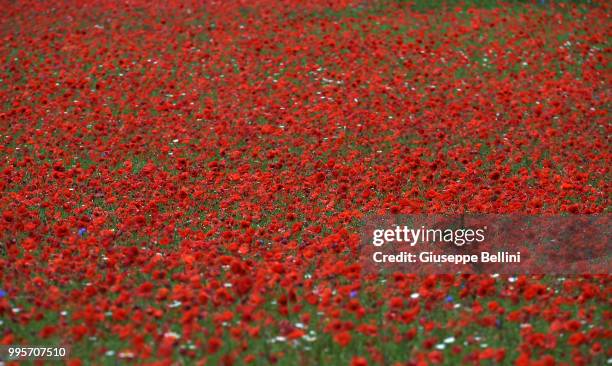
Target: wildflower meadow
{"points": [[185, 182]]}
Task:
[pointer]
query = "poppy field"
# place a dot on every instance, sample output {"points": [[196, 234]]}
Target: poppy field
{"points": [[183, 183]]}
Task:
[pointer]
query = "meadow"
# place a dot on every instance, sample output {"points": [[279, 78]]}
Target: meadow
{"points": [[184, 183]]}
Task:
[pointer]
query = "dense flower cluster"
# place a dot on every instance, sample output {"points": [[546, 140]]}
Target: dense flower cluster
{"points": [[184, 182]]}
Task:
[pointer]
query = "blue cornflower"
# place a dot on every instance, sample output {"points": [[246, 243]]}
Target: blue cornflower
{"points": [[82, 231]]}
